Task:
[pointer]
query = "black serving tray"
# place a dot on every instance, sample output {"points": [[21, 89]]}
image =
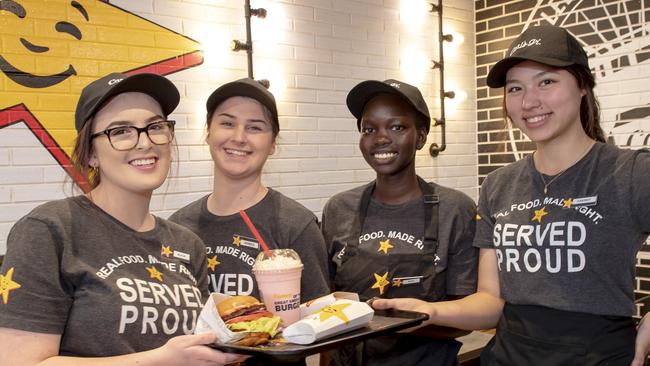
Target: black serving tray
{"points": [[383, 322]]}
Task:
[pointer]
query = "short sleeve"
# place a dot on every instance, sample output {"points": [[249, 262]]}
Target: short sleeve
{"points": [[201, 270], [641, 190], [328, 228], [484, 219], [339, 221], [310, 246], [34, 296], [462, 263]]}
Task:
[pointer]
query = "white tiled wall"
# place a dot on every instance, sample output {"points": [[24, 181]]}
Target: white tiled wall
{"points": [[315, 50]]}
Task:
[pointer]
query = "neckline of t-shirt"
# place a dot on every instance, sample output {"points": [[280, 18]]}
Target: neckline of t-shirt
{"points": [[235, 216], [87, 201], [568, 171], [400, 206]]}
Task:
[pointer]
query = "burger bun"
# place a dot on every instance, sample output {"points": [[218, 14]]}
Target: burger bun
{"points": [[236, 303]]}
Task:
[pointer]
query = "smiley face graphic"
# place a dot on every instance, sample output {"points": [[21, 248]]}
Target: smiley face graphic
{"points": [[64, 28], [50, 50]]}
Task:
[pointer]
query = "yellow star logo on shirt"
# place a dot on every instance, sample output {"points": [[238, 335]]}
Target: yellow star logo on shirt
{"points": [[397, 282], [212, 263], [166, 250], [567, 203], [384, 246], [7, 284], [381, 282], [539, 214], [334, 310], [154, 273], [236, 240]]}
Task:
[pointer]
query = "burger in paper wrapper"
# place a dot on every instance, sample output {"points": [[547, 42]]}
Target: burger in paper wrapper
{"points": [[240, 320], [339, 317], [246, 314]]}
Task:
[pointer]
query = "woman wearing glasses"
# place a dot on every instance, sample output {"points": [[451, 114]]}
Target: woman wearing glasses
{"points": [[96, 278]]}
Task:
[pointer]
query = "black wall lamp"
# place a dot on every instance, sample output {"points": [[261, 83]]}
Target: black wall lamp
{"points": [[436, 149], [237, 45]]}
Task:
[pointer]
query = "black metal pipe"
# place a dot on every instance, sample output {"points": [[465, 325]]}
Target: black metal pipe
{"points": [[434, 149], [249, 38]]}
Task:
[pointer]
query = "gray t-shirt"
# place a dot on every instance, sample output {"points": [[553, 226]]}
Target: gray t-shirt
{"points": [[574, 248], [107, 289], [232, 248], [403, 227], [389, 258]]}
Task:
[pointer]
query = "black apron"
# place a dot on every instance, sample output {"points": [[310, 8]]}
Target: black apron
{"points": [[355, 274], [535, 336]]}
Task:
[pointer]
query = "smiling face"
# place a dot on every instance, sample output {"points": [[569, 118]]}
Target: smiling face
{"points": [[240, 137], [145, 167], [389, 136], [544, 102], [32, 45]]}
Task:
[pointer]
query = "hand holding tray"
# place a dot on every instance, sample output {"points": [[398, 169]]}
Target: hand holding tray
{"points": [[384, 322]]}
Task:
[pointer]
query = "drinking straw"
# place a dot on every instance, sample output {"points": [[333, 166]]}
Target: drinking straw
{"points": [[257, 235]]}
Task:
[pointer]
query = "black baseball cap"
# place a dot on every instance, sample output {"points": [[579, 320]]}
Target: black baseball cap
{"points": [[546, 44], [366, 90], [245, 87], [95, 94]]}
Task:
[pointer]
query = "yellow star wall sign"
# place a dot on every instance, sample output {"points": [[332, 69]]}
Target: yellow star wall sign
{"points": [[50, 50]]}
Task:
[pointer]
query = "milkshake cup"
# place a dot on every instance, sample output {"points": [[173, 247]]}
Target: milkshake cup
{"points": [[278, 279]]}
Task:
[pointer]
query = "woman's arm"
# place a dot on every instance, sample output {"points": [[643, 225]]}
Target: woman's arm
{"points": [[480, 310], [642, 344], [22, 348]]}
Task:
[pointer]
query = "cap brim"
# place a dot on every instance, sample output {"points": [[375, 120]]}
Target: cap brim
{"points": [[241, 89], [363, 92], [497, 76], [154, 85]]}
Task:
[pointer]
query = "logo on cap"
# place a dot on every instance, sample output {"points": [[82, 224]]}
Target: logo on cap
{"points": [[114, 81], [524, 44], [395, 85]]}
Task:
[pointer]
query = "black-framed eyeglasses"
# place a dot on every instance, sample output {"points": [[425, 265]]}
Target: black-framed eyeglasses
{"points": [[124, 138]]}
